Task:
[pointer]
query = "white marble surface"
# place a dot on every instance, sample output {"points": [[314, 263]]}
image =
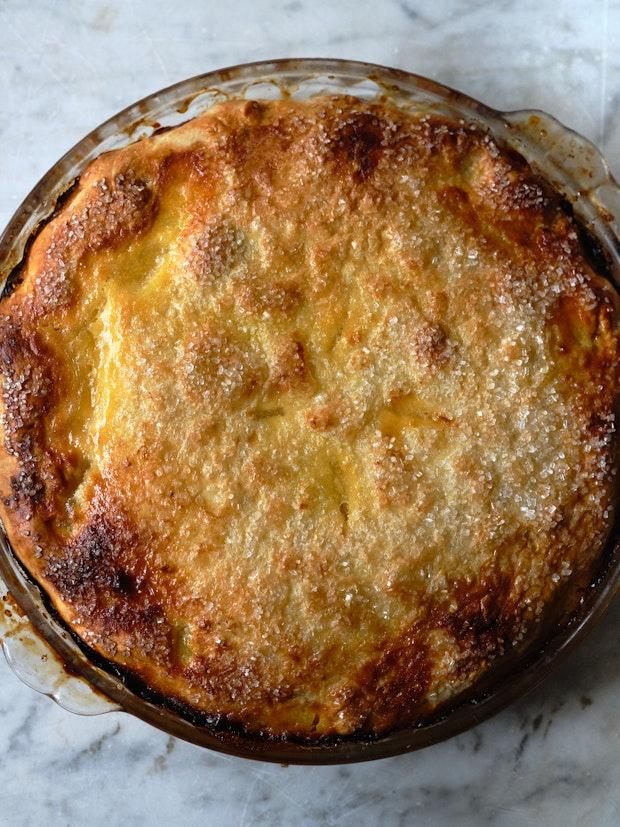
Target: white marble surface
{"points": [[553, 758]]}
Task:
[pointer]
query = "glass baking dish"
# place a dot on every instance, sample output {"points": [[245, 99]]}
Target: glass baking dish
{"points": [[47, 656]]}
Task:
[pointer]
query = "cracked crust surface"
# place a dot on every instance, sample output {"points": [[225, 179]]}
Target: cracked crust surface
{"points": [[308, 411]]}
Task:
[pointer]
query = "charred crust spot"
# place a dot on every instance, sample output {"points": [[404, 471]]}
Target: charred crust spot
{"points": [[482, 616], [101, 573], [593, 251], [361, 140], [95, 560], [125, 583], [27, 394], [390, 690], [601, 425], [479, 614], [27, 489], [401, 680]]}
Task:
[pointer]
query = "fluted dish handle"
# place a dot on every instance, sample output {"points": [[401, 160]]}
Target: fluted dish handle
{"points": [[35, 663]]}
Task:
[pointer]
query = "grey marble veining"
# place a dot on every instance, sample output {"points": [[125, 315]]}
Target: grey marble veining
{"points": [[551, 759]]}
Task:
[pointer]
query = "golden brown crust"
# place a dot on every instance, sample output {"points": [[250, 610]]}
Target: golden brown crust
{"points": [[308, 411]]}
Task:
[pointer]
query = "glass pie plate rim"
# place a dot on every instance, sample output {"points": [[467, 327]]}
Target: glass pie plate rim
{"points": [[45, 654]]}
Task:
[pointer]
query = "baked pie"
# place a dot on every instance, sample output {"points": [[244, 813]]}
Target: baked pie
{"points": [[308, 412]]}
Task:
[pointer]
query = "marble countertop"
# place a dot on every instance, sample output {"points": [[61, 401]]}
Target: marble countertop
{"points": [[551, 759]]}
